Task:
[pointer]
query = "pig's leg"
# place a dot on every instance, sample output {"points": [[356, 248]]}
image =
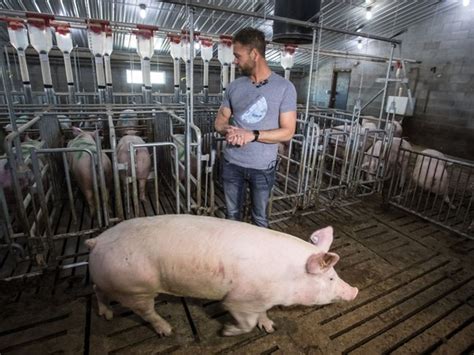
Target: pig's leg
{"points": [[246, 321], [142, 189], [89, 195], [265, 323], [103, 304], [144, 306]]}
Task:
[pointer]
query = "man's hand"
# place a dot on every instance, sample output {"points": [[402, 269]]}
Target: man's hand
{"points": [[239, 136]]}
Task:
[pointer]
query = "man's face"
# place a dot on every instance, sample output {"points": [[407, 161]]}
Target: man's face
{"points": [[244, 58]]}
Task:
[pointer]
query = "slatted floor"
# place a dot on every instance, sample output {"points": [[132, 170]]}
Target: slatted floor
{"points": [[416, 286]]}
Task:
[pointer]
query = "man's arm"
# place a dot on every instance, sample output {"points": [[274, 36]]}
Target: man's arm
{"points": [[284, 133], [222, 120]]}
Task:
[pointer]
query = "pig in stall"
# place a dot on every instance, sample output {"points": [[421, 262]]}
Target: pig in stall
{"points": [[431, 174], [142, 160], [25, 172], [80, 165], [251, 269], [373, 157]]}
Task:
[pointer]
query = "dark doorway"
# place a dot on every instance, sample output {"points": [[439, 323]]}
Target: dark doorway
{"points": [[340, 89]]}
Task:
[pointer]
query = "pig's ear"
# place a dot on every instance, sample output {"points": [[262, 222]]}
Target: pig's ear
{"points": [[322, 262], [76, 131], [323, 238]]}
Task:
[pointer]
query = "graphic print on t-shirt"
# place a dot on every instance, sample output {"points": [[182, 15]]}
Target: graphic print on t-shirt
{"points": [[256, 112]]}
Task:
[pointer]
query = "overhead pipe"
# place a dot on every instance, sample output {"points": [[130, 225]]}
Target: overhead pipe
{"points": [[41, 37], [19, 39], [109, 47], [64, 42], [288, 59], [175, 52], [206, 55], [146, 49], [96, 36], [225, 56]]}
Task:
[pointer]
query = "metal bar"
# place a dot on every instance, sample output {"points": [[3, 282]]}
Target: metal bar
{"points": [[387, 75], [308, 95], [69, 188]]}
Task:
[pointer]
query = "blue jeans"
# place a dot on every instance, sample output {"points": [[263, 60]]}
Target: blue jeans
{"points": [[235, 179]]}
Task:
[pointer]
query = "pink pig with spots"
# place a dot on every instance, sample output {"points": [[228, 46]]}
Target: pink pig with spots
{"points": [[249, 268]]}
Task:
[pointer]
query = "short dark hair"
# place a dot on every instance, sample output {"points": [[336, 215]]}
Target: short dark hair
{"points": [[251, 37]]}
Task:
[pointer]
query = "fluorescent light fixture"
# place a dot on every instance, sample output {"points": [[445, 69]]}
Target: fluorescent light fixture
{"points": [[466, 2], [368, 13], [142, 10], [135, 77]]}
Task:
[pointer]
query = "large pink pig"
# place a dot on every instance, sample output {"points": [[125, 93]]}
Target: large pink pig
{"points": [[250, 268], [142, 160], [80, 165]]}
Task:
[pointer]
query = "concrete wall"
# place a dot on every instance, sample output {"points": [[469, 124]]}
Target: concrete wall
{"points": [[444, 116], [443, 84]]}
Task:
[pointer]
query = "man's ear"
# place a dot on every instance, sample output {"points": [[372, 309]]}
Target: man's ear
{"points": [[253, 54]]}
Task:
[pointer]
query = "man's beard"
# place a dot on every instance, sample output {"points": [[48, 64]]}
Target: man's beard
{"points": [[245, 71]]}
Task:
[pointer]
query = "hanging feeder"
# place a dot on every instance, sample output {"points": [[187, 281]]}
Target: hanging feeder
{"points": [[108, 48], [188, 52], [175, 51], [225, 56], [206, 55], [41, 38], [146, 49], [64, 42], [19, 39], [96, 34], [288, 58]]}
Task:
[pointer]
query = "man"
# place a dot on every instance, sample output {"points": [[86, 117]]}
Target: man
{"points": [[263, 107]]}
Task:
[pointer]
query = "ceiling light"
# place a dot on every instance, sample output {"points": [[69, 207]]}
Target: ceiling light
{"points": [[359, 28], [359, 44], [466, 2], [368, 13], [197, 46], [142, 10]]}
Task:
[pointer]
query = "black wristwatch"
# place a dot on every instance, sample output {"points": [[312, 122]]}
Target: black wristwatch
{"points": [[256, 134]]}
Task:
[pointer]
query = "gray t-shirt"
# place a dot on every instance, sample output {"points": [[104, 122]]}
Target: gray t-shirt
{"points": [[257, 107]]}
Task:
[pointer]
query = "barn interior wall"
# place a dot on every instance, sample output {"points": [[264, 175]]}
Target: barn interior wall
{"points": [[443, 83]]}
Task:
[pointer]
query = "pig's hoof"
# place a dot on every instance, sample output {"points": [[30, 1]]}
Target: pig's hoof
{"points": [[266, 325], [107, 313], [164, 330], [231, 330]]}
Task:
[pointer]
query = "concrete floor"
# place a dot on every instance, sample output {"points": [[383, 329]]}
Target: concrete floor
{"points": [[416, 286]]}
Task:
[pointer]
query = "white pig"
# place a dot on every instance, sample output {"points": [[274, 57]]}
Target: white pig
{"points": [[431, 175], [374, 154], [142, 160], [250, 268], [80, 164]]}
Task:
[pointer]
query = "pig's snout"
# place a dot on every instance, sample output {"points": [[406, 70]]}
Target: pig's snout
{"points": [[353, 294], [348, 293]]}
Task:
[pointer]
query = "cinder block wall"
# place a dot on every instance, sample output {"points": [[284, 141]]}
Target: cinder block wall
{"points": [[444, 117], [443, 84]]}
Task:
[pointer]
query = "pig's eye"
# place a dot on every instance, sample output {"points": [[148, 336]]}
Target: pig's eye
{"points": [[331, 279]]}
